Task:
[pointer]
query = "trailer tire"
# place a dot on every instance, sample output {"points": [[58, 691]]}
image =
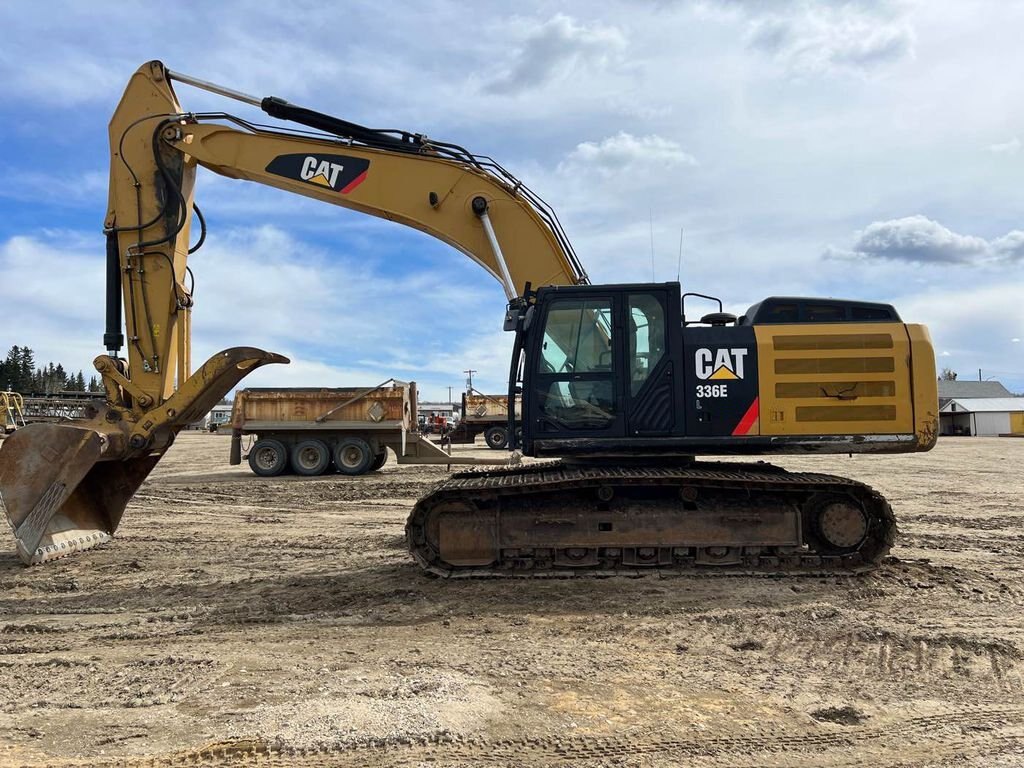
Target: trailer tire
{"points": [[268, 458], [379, 460], [496, 437], [353, 456], [310, 458]]}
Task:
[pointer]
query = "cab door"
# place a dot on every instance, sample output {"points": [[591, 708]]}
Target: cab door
{"points": [[574, 386], [648, 363]]}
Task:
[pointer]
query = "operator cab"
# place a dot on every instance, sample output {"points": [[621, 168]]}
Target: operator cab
{"points": [[601, 361], [617, 369]]}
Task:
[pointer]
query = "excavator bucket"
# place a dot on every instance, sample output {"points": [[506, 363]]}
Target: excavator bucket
{"points": [[58, 495], [64, 487]]}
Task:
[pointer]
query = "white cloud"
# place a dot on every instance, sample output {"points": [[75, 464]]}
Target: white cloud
{"points": [[340, 319], [1011, 147], [961, 318], [625, 153], [817, 38], [64, 189], [922, 240], [1010, 246], [63, 78], [53, 299], [557, 49]]}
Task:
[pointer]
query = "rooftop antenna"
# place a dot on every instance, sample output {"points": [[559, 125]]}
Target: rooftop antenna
{"points": [[650, 211], [679, 263]]}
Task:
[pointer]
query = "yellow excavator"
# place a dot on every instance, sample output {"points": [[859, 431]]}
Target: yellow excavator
{"points": [[615, 380]]}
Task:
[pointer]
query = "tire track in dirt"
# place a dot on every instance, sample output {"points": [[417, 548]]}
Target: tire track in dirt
{"points": [[978, 730], [849, 644]]}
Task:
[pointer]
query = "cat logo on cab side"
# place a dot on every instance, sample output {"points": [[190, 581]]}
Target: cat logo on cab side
{"points": [[721, 364]]}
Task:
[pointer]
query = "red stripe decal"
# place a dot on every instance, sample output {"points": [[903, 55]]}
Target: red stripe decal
{"points": [[354, 183], [748, 419]]}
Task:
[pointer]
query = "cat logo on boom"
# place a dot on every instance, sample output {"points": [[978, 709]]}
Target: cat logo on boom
{"points": [[341, 173], [721, 364], [322, 172]]}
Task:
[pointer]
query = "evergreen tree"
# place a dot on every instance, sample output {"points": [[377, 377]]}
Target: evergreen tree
{"points": [[26, 369], [10, 369], [18, 373]]}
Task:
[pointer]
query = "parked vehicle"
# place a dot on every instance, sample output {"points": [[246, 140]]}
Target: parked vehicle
{"points": [[486, 415], [322, 430]]}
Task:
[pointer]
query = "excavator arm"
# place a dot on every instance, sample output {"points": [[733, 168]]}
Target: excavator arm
{"points": [[65, 487]]}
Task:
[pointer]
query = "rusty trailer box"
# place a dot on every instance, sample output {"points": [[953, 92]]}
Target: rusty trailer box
{"points": [[315, 431], [486, 415]]}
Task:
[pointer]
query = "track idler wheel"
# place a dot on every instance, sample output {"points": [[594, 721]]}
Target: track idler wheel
{"points": [[838, 524]]}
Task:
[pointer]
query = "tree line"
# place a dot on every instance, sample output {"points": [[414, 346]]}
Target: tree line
{"points": [[19, 373]]}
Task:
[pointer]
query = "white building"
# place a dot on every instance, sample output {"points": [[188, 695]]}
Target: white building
{"points": [[982, 416], [218, 416]]}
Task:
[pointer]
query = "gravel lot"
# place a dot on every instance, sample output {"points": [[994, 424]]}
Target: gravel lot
{"points": [[281, 622]]}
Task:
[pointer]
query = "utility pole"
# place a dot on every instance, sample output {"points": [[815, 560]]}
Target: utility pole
{"points": [[449, 395], [469, 381]]}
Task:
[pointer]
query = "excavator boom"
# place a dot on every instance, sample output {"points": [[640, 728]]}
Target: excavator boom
{"points": [[65, 487]]}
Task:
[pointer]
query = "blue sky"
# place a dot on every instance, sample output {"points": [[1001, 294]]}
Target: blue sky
{"points": [[868, 150]]}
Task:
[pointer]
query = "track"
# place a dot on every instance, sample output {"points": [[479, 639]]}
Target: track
{"points": [[525, 503]]}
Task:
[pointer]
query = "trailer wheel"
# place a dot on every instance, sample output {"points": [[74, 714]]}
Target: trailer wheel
{"points": [[353, 456], [379, 460], [268, 458], [496, 437], [310, 457]]}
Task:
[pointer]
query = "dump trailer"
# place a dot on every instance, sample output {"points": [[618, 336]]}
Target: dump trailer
{"points": [[318, 431], [485, 415]]}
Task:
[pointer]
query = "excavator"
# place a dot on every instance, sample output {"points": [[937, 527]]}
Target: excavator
{"points": [[616, 381]]}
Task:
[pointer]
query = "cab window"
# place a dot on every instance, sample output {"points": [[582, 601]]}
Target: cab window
{"points": [[577, 341], [825, 313], [781, 313], [577, 337], [646, 329], [871, 313]]}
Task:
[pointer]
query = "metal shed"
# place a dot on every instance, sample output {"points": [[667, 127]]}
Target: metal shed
{"points": [[982, 416]]}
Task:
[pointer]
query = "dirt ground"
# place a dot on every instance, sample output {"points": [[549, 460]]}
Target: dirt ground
{"points": [[281, 622]]}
